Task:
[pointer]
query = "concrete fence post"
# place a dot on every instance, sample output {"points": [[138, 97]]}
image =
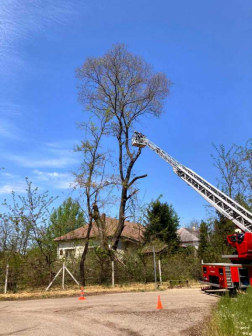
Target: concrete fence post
{"points": [[155, 267], [6, 279], [63, 276], [160, 272], [113, 274]]}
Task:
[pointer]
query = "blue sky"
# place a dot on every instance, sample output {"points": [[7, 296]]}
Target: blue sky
{"points": [[204, 47]]}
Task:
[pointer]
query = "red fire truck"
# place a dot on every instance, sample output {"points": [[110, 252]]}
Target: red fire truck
{"points": [[238, 273], [219, 276]]}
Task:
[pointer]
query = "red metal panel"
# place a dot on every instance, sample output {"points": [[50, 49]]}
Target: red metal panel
{"points": [[212, 270], [234, 273], [222, 277], [244, 247]]}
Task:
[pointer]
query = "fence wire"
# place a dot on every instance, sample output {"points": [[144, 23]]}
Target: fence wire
{"points": [[131, 268]]}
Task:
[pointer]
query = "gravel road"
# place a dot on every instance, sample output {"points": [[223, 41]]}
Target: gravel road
{"points": [[110, 314]]}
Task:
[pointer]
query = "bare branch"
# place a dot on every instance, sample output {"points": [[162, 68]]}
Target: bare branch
{"points": [[137, 178]]}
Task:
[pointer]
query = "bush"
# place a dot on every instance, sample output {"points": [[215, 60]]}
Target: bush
{"points": [[31, 271]]}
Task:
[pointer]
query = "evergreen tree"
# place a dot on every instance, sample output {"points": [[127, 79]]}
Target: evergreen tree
{"points": [[222, 227], [204, 244], [162, 223], [68, 217]]}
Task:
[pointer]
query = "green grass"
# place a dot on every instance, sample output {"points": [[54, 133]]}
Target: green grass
{"points": [[233, 316]]}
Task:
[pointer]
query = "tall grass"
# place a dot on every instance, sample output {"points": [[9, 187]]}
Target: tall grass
{"points": [[233, 316]]}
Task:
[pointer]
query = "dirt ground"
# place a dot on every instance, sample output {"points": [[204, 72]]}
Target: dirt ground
{"points": [[121, 314]]}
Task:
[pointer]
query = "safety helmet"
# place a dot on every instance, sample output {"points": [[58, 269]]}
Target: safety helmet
{"points": [[238, 231]]}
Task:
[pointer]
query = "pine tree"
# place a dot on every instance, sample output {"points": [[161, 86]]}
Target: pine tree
{"points": [[162, 223], [68, 217], [204, 244], [222, 227]]}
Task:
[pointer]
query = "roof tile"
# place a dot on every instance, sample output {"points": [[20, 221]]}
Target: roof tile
{"points": [[131, 230]]}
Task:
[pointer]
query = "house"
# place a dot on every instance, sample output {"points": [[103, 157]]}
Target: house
{"points": [[189, 237], [72, 244]]}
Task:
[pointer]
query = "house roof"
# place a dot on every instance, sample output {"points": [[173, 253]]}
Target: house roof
{"points": [[194, 232], [132, 231], [158, 249], [188, 235]]}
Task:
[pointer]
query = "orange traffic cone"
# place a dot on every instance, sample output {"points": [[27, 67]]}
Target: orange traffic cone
{"points": [[82, 294], [159, 304]]}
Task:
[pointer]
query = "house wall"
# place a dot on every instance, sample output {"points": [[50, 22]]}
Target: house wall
{"points": [[75, 247], [194, 244], [188, 238]]}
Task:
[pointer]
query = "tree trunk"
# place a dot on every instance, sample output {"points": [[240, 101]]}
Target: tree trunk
{"points": [[100, 221], [84, 255], [121, 219], [82, 265]]}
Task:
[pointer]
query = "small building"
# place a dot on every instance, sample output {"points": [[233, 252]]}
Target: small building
{"points": [[72, 244], [189, 237]]}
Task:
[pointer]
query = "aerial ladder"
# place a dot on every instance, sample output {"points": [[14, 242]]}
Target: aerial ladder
{"points": [[240, 216]]}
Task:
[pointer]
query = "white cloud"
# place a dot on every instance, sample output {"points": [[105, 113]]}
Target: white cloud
{"points": [[46, 156], [23, 20], [9, 108], [9, 130], [30, 162], [45, 176], [9, 175], [55, 179], [56, 145], [11, 182], [9, 188]]}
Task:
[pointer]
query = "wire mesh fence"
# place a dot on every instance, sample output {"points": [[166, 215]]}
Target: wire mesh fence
{"points": [[130, 268]]}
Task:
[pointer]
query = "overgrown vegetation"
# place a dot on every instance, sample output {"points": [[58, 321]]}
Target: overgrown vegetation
{"points": [[133, 267], [232, 316], [213, 239]]}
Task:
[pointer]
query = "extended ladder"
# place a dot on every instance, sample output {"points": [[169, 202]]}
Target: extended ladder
{"points": [[240, 216]]}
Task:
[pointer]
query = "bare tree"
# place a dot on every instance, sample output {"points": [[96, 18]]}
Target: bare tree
{"points": [[228, 164], [29, 216], [193, 224], [235, 167], [7, 235], [93, 179], [124, 87], [246, 159]]}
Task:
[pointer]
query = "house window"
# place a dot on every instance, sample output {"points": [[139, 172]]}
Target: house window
{"points": [[69, 253], [61, 252]]}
